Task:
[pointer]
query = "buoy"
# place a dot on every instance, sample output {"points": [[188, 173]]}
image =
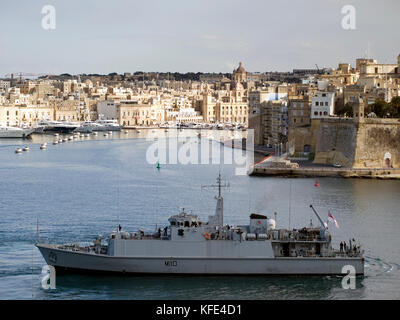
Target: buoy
{"points": [[158, 166], [19, 150], [316, 183], [26, 149]]}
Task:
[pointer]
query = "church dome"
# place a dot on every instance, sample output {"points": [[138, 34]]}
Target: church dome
{"points": [[240, 68]]}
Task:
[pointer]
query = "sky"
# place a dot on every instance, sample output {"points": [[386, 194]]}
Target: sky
{"points": [[103, 36]]}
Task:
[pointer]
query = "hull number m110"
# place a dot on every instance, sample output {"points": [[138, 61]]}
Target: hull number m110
{"points": [[170, 263]]}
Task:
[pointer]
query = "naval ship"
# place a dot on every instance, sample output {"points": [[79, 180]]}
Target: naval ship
{"points": [[189, 246]]}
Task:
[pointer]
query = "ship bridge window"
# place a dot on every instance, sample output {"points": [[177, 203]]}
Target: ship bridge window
{"points": [[173, 223]]}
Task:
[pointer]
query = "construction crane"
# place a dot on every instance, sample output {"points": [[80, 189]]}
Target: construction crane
{"points": [[21, 75]]}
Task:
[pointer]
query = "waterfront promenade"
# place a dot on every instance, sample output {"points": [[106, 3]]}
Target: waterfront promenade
{"points": [[324, 171]]}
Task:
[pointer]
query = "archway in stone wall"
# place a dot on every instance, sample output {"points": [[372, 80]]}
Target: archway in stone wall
{"points": [[387, 160]]}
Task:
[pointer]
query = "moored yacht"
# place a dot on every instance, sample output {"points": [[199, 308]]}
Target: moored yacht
{"points": [[15, 132], [107, 125], [45, 126]]}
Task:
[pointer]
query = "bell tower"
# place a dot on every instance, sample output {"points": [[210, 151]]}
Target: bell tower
{"points": [[358, 111]]}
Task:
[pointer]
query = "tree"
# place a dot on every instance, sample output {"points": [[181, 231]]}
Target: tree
{"points": [[380, 107], [347, 110], [395, 107]]}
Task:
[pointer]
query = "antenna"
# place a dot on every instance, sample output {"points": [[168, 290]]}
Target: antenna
{"points": [[37, 230], [290, 200], [219, 185]]}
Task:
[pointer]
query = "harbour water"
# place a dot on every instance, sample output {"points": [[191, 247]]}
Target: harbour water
{"points": [[83, 188]]}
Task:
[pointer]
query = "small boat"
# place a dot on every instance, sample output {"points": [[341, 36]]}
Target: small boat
{"points": [[55, 142], [43, 146], [26, 148], [19, 150], [14, 132]]}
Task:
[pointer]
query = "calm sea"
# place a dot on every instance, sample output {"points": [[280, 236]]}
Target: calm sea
{"points": [[83, 188]]}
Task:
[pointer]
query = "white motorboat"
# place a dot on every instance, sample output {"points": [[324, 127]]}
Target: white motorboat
{"points": [[107, 125], [15, 132]]}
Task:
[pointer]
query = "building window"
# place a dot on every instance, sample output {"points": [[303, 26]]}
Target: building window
{"points": [[316, 103]]}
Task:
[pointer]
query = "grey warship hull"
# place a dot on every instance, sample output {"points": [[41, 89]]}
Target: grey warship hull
{"points": [[66, 261]]}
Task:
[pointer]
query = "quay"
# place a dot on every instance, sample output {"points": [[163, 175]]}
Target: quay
{"points": [[368, 173]]}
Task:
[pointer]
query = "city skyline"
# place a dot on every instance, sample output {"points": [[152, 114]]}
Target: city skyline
{"points": [[97, 37]]}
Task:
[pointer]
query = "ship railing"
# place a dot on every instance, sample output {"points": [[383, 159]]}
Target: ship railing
{"points": [[357, 253]]}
